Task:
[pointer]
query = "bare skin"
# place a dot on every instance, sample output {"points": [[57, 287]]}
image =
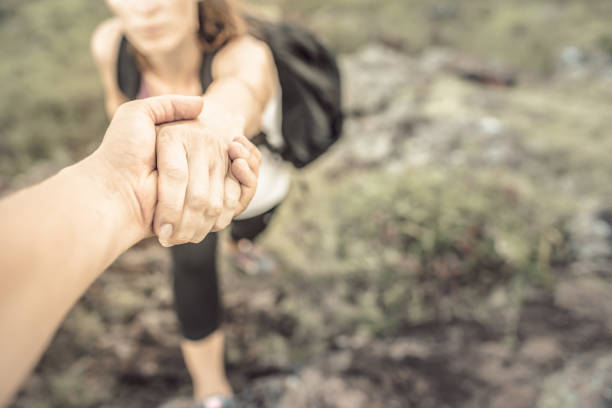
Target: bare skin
{"points": [[59, 235], [244, 80]]}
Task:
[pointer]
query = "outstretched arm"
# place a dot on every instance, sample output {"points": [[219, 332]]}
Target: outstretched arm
{"points": [[58, 236], [244, 81]]}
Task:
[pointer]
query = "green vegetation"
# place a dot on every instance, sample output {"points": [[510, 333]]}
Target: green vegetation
{"points": [[481, 198], [526, 34], [51, 101], [512, 220]]}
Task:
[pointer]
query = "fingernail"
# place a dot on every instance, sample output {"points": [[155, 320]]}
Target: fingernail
{"points": [[164, 234]]}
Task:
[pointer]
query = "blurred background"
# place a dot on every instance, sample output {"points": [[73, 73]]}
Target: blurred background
{"points": [[452, 250]]}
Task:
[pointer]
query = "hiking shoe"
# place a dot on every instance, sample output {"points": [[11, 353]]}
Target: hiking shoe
{"points": [[217, 401], [251, 259]]}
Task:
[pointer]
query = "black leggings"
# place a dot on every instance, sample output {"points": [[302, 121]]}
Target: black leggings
{"points": [[196, 283]]}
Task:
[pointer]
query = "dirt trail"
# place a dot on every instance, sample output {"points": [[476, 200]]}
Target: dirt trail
{"points": [[408, 277]]}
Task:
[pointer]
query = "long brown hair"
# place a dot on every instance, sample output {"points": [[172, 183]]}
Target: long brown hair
{"points": [[220, 21]]}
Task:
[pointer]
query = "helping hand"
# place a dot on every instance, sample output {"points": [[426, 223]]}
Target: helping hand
{"points": [[199, 190], [127, 156], [127, 163]]}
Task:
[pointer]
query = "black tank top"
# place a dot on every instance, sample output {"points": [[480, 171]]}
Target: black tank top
{"points": [[129, 77]]}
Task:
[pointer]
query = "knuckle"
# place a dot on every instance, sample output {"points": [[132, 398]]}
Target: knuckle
{"points": [[198, 238], [163, 134], [217, 228], [169, 212], [214, 210], [174, 173], [172, 133], [212, 165], [122, 108], [198, 200], [247, 194], [127, 106], [232, 196], [231, 202], [182, 237], [222, 224]]}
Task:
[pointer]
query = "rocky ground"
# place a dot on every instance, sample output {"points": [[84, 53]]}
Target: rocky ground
{"points": [[452, 250]]}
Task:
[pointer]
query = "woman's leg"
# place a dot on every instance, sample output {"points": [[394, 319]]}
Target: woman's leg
{"points": [[198, 305]]}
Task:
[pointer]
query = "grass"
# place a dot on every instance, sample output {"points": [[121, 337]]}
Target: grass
{"points": [[413, 237], [51, 100]]}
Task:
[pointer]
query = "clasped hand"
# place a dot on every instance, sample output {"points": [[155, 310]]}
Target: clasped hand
{"points": [[183, 172]]}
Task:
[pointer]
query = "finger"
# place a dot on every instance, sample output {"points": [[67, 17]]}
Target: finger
{"points": [[254, 156], [231, 202], [167, 108], [148, 202], [248, 181], [243, 173], [232, 191], [216, 196], [193, 227], [173, 174], [251, 147], [237, 151], [217, 181]]}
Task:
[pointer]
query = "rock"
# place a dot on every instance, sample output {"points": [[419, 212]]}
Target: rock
{"points": [[79, 385], [340, 361], [516, 396], [372, 78], [545, 352], [584, 382], [178, 402], [316, 389], [272, 350], [587, 297], [160, 325], [572, 56]]}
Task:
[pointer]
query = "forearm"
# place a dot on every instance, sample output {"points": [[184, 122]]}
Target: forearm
{"points": [[50, 257], [232, 96], [245, 80]]}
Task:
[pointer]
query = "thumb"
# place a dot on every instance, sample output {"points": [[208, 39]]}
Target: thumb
{"points": [[168, 108], [148, 200]]}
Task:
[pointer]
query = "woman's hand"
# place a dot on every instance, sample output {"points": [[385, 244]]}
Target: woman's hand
{"points": [[241, 180], [193, 162], [128, 154], [246, 159]]}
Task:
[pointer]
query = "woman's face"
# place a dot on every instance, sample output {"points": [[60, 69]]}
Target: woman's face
{"points": [[154, 26]]}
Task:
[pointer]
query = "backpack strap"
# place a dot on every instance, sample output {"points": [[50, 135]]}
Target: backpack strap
{"points": [[129, 76]]}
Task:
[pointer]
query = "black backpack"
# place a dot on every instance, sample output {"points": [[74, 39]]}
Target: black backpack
{"points": [[309, 77]]}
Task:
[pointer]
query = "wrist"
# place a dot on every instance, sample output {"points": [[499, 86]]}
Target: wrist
{"points": [[112, 196], [216, 112]]}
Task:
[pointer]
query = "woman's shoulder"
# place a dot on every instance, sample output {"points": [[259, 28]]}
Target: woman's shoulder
{"points": [[244, 51], [105, 42], [245, 44]]}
